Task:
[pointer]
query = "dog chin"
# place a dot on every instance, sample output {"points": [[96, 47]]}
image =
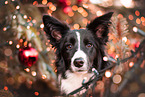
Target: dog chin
{"points": [[81, 71]]}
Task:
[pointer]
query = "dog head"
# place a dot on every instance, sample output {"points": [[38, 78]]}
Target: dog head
{"points": [[78, 50]]}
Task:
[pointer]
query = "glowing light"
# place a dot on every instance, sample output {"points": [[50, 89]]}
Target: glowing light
{"points": [[35, 3], [10, 42], [25, 16], [108, 74], [28, 27], [13, 0], [27, 69], [5, 28], [135, 29], [80, 9], [114, 88], [127, 3], [33, 73], [120, 16], [76, 26], [17, 46], [8, 52], [71, 14], [130, 17], [138, 21], [6, 2], [14, 16], [131, 64], [5, 88], [137, 13], [100, 85], [74, 7], [99, 13], [48, 48], [124, 39], [44, 1], [117, 56], [52, 7], [36, 93], [17, 7], [34, 21], [41, 26], [43, 76], [117, 79], [142, 19], [105, 58]]}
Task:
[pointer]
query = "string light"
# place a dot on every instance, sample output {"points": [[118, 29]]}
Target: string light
{"points": [[6, 2], [76, 26], [130, 17], [5, 28], [124, 39], [105, 58], [117, 78], [85, 78], [100, 85], [10, 42], [99, 13], [27, 69], [17, 7], [28, 27], [36, 93], [44, 2], [43, 76], [131, 64], [14, 16], [33, 73], [5, 88], [25, 17], [138, 21], [135, 29], [137, 13], [17, 46], [8, 52], [108, 74], [41, 26]]}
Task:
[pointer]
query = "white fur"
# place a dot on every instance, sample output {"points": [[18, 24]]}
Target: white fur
{"points": [[79, 54], [74, 81]]}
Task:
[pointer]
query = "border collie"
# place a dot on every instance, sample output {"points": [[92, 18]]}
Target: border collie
{"points": [[78, 50]]}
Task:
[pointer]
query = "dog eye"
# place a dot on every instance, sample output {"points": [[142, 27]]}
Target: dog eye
{"points": [[69, 46], [89, 45]]}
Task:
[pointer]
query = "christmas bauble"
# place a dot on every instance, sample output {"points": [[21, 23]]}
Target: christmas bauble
{"points": [[28, 56]]}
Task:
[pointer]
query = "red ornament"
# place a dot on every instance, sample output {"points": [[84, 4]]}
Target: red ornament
{"points": [[67, 9], [28, 56]]}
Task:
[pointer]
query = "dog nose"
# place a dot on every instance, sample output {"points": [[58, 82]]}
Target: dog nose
{"points": [[79, 62]]}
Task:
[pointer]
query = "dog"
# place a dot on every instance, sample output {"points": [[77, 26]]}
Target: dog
{"points": [[78, 50]]}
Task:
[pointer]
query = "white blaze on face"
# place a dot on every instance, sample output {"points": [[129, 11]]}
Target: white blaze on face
{"points": [[79, 54]]}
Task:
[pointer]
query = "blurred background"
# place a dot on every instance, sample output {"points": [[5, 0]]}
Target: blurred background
{"points": [[27, 60]]}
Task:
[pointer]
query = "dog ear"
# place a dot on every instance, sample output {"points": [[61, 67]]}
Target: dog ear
{"points": [[54, 29], [100, 25]]}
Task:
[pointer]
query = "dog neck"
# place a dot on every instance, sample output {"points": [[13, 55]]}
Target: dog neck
{"points": [[75, 78]]}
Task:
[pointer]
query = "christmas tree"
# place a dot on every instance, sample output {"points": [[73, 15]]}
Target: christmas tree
{"points": [[27, 59]]}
